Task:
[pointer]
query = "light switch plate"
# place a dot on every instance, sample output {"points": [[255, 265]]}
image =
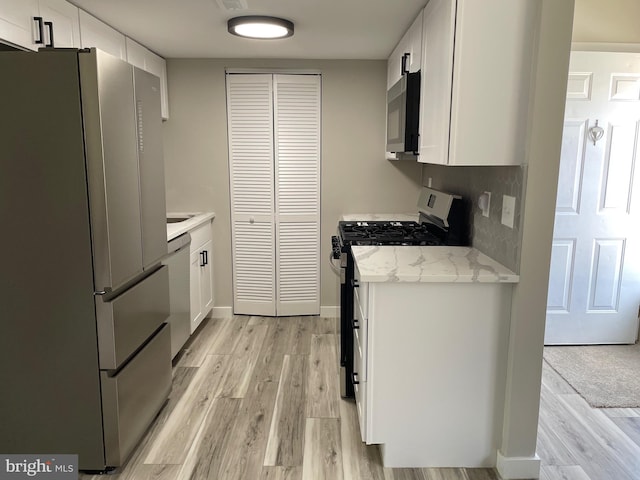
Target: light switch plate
{"points": [[508, 210]]}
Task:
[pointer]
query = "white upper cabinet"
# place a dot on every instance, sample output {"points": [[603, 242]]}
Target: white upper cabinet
{"points": [[475, 81], [141, 57], [407, 54], [95, 33], [33, 24], [61, 23]]}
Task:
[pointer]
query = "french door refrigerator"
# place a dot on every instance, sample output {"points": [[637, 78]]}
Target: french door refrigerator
{"points": [[84, 347]]}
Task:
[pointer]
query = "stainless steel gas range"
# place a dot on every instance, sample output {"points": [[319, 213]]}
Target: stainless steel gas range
{"points": [[443, 220]]}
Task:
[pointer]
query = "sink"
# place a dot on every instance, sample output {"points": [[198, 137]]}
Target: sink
{"points": [[179, 219]]}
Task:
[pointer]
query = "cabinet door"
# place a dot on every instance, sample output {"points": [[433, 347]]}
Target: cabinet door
{"points": [[17, 25], [97, 34], [394, 65], [64, 18], [194, 289], [206, 278], [414, 44], [435, 92], [491, 78], [411, 44]]}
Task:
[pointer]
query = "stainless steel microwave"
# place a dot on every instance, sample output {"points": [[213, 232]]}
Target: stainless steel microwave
{"points": [[403, 113]]}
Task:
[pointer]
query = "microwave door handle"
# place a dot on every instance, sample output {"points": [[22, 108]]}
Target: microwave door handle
{"points": [[403, 67]]}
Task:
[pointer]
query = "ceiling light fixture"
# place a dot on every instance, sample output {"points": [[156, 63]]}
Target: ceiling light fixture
{"points": [[255, 26]]}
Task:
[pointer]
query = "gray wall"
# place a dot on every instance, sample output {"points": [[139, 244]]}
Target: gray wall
{"points": [[356, 178], [488, 234]]}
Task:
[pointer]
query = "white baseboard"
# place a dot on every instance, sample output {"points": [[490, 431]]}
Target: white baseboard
{"points": [[330, 311], [227, 312], [511, 468], [222, 312]]}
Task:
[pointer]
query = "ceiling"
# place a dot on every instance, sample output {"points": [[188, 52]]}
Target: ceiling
{"points": [[327, 29]]}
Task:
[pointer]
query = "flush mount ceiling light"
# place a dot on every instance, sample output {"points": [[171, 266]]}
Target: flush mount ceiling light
{"points": [[255, 26]]}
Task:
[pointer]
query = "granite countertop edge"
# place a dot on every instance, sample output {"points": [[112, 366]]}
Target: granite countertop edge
{"points": [[417, 264], [174, 230]]}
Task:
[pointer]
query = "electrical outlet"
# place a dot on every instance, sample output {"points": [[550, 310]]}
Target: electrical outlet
{"points": [[508, 210], [484, 202]]}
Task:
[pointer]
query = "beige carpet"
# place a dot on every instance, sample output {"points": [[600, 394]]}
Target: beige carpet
{"points": [[605, 375]]}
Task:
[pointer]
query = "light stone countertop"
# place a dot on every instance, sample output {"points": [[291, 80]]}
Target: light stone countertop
{"points": [[428, 264], [381, 217], [176, 229]]}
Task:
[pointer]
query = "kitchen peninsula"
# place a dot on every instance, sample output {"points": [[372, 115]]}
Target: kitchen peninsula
{"points": [[430, 346]]}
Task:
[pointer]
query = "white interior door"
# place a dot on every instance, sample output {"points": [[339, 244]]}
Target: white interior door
{"points": [[251, 170], [297, 164], [594, 284]]}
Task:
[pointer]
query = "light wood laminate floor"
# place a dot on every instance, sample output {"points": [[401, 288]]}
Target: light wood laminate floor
{"points": [[257, 398], [578, 442]]}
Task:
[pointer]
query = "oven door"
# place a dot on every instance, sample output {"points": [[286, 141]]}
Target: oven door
{"points": [[346, 331]]}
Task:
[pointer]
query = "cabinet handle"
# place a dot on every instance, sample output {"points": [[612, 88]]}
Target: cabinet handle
{"points": [[40, 39], [403, 68], [355, 324], [354, 283], [50, 25], [206, 257], [354, 378], [202, 262]]}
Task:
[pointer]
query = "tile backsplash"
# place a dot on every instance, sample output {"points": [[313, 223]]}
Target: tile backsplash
{"points": [[488, 234]]}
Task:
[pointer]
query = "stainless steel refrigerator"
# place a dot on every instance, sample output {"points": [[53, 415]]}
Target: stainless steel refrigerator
{"points": [[84, 347]]}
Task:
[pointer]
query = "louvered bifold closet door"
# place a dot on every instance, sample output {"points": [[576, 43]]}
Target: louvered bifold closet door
{"points": [[297, 189], [251, 168]]}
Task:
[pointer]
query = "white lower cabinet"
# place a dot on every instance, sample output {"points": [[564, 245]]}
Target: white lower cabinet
{"points": [[430, 361], [201, 274]]}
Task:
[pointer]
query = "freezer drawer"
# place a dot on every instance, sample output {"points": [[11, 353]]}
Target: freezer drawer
{"points": [[126, 321], [132, 398]]}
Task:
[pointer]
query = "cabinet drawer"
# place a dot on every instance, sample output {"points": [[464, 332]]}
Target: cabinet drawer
{"points": [[132, 398], [200, 236], [360, 341], [361, 293], [361, 397]]}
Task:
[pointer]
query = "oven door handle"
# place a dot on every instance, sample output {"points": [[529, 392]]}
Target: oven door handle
{"points": [[336, 268]]}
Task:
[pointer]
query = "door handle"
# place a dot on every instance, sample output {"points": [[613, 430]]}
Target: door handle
{"points": [[50, 25], [40, 39]]}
